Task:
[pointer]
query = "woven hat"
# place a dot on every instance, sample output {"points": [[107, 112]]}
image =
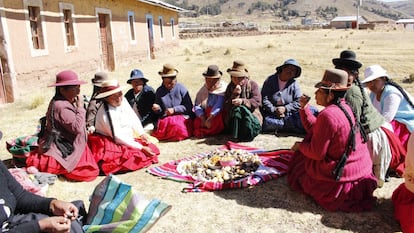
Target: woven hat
{"points": [[373, 72], [167, 71], [347, 59], [291, 62], [99, 78], [335, 80], [67, 78], [238, 69], [212, 72], [109, 87], [136, 74]]}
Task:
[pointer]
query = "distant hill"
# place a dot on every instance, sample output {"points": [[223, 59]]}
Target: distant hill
{"points": [[293, 11]]}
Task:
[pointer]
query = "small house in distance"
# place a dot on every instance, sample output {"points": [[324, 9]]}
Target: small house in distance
{"points": [[42, 37], [408, 23], [343, 22]]}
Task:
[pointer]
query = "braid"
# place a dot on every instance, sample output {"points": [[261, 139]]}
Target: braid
{"points": [[351, 143], [392, 83], [362, 119]]}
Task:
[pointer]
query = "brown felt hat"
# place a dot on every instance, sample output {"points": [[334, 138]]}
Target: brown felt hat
{"points": [[238, 69], [168, 71], [335, 80], [99, 77]]}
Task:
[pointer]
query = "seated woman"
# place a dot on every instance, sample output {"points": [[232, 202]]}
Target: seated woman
{"points": [[280, 97], [23, 211], [141, 97], [94, 103], [209, 104], [391, 100], [242, 101], [173, 107], [119, 143], [63, 148], [331, 163], [403, 196]]}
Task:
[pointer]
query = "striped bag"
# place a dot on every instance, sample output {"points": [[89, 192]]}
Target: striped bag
{"points": [[117, 207]]}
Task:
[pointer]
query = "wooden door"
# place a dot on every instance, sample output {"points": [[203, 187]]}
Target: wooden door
{"points": [[106, 42], [151, 38]]}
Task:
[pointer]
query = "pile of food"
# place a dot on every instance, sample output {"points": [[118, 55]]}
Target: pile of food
{"points": [[221, 166]]}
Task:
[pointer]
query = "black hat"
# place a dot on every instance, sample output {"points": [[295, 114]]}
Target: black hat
{"points": [[212, 72], [347, 59]]}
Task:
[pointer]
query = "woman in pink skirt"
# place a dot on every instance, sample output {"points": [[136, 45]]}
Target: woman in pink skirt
{"points": [[173, 107], [332, 164]]}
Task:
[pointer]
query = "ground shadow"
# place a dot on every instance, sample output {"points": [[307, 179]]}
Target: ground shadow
{"points": [[277, 194]]}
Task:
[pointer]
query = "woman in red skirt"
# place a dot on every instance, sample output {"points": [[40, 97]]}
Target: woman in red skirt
{"points": [[119, 143], [209, 104], [63, 148]]}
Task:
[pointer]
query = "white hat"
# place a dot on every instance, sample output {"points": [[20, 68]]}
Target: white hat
{"points": [[109, 87], [373, 72]]}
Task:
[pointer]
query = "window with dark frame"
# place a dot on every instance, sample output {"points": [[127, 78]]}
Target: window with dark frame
{"points": [[161, 28], [68, 21], [36, 27], [131, 26]]}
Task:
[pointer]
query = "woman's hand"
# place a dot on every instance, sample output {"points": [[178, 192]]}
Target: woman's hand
{"points": [[304, 100], [237, 101], [147, 150], [79, 101], [56, 224], [156, 107], [63, 208], [280, 111], [169, 111], [295, 146]]}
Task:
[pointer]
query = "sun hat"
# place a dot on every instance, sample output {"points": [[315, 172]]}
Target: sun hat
{"points": [[212, 72], [67, 78], [373, 72], [167, 71], [136, 74], [99, 77], [334, 79], [238, 69], [109, 87], [347, 59], [291, 62]]}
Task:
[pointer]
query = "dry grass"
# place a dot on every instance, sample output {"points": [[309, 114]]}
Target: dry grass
{"points": [[271, 207]]}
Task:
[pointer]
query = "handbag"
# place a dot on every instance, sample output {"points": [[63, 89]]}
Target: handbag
{"points": [[116, 207]]}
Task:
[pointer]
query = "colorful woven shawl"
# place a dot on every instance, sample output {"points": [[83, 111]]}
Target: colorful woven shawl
{"points": [[275, 164]]}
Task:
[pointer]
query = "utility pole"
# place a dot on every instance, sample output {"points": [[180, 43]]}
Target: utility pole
{"points": [[359, 3]]}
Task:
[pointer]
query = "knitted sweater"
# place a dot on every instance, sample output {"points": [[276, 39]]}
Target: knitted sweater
{"points": [[374, 119], [326, 142], [19, 201]]}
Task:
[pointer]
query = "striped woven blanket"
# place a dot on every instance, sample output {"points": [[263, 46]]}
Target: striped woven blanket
{"points": [[275, 164], [116, 207]]}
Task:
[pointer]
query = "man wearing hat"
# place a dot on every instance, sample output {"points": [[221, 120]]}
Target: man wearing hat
{"points": [[208, 104], [173, 107], [242, 101], [120, 143], [141, 97], [280, 97], [94, 103], [384, 147], [331, 164], [63, 148]]}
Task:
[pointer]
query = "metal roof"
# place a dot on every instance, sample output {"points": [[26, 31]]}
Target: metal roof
{"points": [[405, 21], [163, 5], [347, 18]]}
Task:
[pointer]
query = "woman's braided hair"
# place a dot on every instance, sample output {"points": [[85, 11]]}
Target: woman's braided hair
{"points": [[392, 83]]}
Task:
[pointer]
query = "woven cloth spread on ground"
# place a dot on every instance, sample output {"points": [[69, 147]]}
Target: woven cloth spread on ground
{"points": [[117, 208], [275, 165]]}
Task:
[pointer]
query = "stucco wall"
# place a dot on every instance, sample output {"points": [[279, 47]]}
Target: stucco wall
{"points": [[86, 55]]}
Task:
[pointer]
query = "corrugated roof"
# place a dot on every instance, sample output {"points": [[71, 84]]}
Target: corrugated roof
{"points": [[347, 18], [405, 21], [163, 4]]}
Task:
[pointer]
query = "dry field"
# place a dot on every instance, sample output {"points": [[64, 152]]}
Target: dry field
{"points": [[271, 207]]}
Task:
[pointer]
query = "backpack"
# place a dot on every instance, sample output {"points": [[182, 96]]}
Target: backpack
{"points": [[245, 126]]}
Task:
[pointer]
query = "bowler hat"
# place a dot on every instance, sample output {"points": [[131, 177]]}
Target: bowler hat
{"points": [[334, 79], [99, 77], [136, 74], [347, 59], [291, 62], [167, 71], [212, 72], [373, 72], [67, 78], [108, 88], [238, 69]]}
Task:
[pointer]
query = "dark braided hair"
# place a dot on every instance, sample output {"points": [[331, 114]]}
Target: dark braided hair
{"points": [[362, 119], [392, 83]]}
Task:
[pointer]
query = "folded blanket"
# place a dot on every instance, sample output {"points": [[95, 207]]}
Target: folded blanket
{"points": [[275, 164]]}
